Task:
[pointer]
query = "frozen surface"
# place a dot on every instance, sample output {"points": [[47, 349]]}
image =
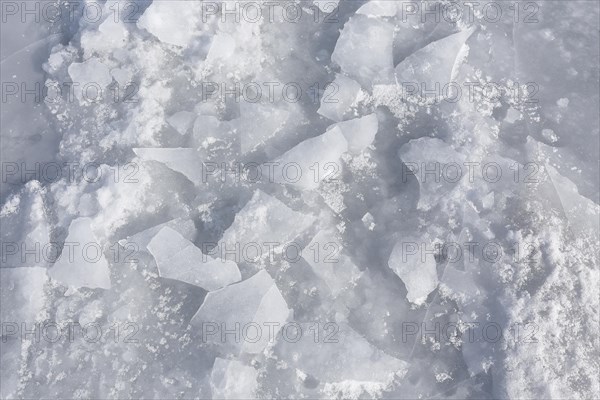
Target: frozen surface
{"points": [[311, 199]]}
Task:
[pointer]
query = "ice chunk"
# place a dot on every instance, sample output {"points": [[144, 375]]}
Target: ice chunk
{"points": [[222, 47], [183, 160], [369, 221], [436, 165], [337, 344], [327, 6], [581, 212], [173, 22], [265, 219], [185, 227], [250, 303], [230, 379], [364, 50], [378, 8], [355, 389], [339, 97], [208, 126], [123, 76], [113, 33], [416, 269], [359, 132], [88, 72], [22, 294], [259, 123], [182, 121], [311, 161], [324, 255], [435, 64], [82, 262], [178, 258]]}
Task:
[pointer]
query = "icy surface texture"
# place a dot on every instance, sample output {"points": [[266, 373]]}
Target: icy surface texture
{"points": [[339, 199]]}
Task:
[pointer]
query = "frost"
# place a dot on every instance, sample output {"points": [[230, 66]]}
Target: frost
{"points": [[178, 258]]}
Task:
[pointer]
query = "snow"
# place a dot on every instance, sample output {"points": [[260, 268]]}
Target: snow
{"points": [[340, 346], [182, 121], [182, 160], [178, 258]]}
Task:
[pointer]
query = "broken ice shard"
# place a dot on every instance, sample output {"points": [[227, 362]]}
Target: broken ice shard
{"points": [[22, 294], [364, 50], [433, 66], [254, 304], [328, 262], [339, 97], [416, 269], [186, 161], [435, 164], [311, 161], [359, 132], [265, 219], [231, 379], [82, 262], [336, 344], [178, 258]]}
